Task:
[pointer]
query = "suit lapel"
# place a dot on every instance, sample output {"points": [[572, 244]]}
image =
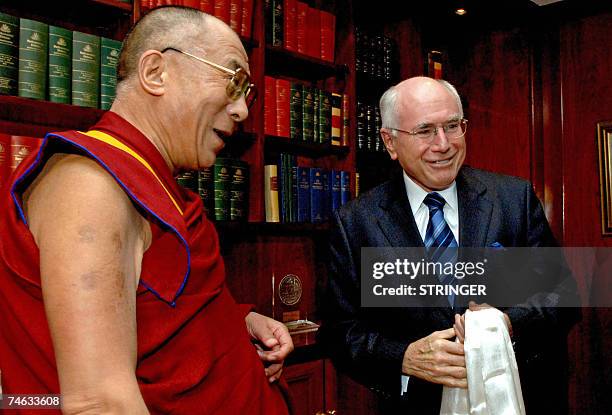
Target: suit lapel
{"points": [[397, 222], [399, 227], [475, 210]]}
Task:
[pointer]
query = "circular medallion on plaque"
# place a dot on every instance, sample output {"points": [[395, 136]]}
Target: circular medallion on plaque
{"points": [[290, 289]]}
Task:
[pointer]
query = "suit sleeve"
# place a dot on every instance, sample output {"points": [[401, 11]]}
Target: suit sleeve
{"points": [[354, 338], [546, 316]]}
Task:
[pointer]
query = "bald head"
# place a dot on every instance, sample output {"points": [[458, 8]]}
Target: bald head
{"points": [[413, 91], [179, 27]]}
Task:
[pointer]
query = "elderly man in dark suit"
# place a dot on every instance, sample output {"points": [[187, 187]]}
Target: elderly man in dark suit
{"points": [[408, 354]]}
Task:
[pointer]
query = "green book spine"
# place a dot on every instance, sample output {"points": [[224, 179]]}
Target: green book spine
{"points": [[206, 190], [60, 64], [9, 52], [325, 109], [308, 114], [315, 118], [85, 69], [277, 23], [109, 57], [239, 190], [33, 53], [268, 16], [295, 105], [188, 180], [222, 178]]}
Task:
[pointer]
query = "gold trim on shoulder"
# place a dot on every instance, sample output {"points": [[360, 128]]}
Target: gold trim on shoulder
{"points": [[110, 140]]}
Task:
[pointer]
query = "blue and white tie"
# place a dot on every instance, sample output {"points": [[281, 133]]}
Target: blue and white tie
{"points": [[439, 237]]}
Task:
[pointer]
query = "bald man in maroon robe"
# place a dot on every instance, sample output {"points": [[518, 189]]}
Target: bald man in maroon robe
{"points": [[112, 288]]}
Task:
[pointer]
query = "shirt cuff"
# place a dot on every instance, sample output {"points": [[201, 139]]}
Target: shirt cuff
{"points": [[404, 384]]}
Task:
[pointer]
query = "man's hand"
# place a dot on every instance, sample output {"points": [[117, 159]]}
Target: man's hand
{"points": [[275, 343], [437, 359], [459, 325]]}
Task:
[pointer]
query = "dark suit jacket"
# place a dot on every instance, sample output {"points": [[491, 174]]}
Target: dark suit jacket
{"points": [[369, 343]]}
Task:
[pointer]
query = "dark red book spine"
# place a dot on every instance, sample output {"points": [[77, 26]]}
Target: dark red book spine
{"points": [[269, 106], [194, 4], [290, 41], [207, 6], [313, 33], [302, 13], [222, 10], [235, 15], [328, 35], [21, 147], [283, 93], [247, 19]]}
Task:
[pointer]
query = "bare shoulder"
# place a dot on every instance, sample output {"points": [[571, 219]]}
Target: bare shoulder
{"points": [[73, 190]]}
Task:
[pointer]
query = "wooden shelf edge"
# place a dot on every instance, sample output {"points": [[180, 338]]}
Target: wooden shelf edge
{"points": [[290, 59], [271, 227], [18, 110], [314, 150], [116, 4], [295, 55]]}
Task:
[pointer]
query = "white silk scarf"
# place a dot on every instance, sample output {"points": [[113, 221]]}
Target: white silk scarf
{"points": [[494, 387]]}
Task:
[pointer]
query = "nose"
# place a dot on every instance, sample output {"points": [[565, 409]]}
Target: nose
{"points": [[440, 140], [238, 110]]}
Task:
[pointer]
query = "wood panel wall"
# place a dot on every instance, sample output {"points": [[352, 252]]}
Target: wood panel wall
{"points": [[585, 76], [534, 93]]}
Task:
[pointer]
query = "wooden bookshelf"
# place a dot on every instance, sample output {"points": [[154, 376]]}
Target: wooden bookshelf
{"points": [[126, 7], [280, 61], [109, 18], [270, 228], [276, 144], [25, 116]]}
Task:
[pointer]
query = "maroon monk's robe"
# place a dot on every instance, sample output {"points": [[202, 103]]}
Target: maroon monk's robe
{"points": [[194, 353]]}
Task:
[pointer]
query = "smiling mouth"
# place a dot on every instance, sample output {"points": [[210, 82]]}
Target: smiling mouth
{"points": [[440, 162]]}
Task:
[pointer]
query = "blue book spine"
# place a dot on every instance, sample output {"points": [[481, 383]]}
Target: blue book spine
{"points": [[282, 191], [316, 193], [345, 187], [294, 188], [303, 199], [326, 195], [335, 190]]}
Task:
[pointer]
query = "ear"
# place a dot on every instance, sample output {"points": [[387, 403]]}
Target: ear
{"points": [[152, 72], [388, 139]]}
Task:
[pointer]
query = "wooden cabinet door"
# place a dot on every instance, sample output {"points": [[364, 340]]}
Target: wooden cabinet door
{"points": [[307, 387]]}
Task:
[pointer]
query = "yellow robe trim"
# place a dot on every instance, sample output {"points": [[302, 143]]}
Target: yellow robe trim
{"points": [[110, 140]]}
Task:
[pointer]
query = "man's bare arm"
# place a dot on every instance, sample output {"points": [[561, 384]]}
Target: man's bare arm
{"points": [[91, 240]]}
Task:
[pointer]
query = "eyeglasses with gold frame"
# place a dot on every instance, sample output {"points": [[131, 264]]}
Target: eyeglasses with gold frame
{"points": [[239, 80]]}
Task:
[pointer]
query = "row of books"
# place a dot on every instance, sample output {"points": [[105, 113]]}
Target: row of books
{"points": [[305, 113], [294, 193], [369, 123], [13, 149], [376, 55], [297, 27], [224, 188], [238, 14], [42, 61]]}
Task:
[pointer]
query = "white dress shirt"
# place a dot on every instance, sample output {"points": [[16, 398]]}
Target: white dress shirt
{"points": [[420, 211]]}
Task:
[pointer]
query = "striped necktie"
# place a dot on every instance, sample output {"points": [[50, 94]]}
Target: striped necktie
{"points": [[439, 237]]}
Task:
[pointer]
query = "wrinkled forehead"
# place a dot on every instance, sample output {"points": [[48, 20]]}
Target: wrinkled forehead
{"points": [[225, 48]]}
